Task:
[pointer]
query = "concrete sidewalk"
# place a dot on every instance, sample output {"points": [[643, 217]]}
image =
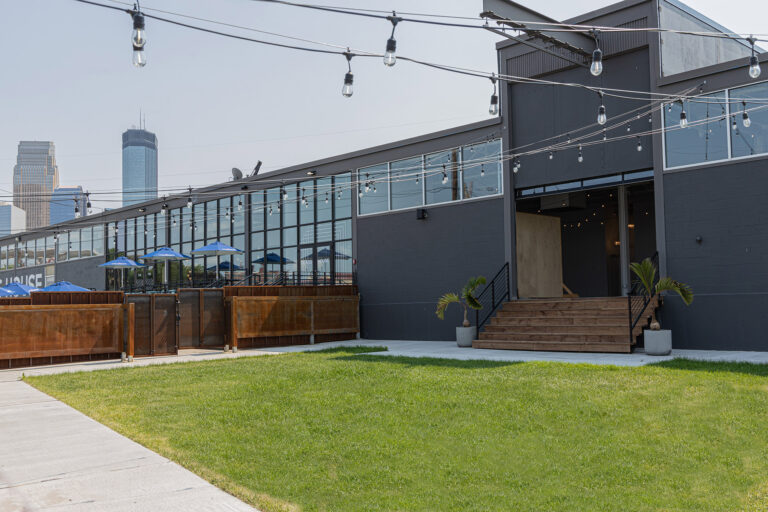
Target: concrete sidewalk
{"points": [[55, 458]]}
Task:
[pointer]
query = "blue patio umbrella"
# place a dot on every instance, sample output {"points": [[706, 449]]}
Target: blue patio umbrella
{"points": [[216, 249], [325, 254], [5, 293], [64, 286], [122, 263], [219, 249], [19, 290], [224, 265], [164, 254], [272, 259]]}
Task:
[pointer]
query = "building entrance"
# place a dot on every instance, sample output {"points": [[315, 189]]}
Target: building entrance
{"points": [[580, 243]]}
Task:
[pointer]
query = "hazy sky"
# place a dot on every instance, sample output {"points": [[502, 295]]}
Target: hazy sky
{"points": [[216, 103]]}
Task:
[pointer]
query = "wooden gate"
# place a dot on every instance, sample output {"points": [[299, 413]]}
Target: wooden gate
{"points": [[202, 318], [156, 323]]}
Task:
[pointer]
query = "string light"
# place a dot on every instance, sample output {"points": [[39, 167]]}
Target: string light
{"points": [[516, 165], [240, 205], [493, 108], [189, 199], [138, 38], [551, 155], [745, 116], [734, 126], [639, 144], [389, 54], [596, 68], [77, 208], [602, 118], [482, 169], [754, 64], [683, 116], [89, 208], [164, 208], [349, 78], [581, 155], [445, 175]]}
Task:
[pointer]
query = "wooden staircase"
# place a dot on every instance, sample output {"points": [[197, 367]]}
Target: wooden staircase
{"points": [[563, 324]]}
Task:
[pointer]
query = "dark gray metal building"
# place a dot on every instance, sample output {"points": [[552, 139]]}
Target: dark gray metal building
{"points": [[541, 183]]}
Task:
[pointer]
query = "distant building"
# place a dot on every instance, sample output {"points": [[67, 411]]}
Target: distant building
{"points": [[63, 204], [12, 219], [35, 177], [139, 166]]}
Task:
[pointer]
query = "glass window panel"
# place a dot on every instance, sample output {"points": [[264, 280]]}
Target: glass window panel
{"points": [[290, 236], [11, 256], [175, 228], [273, 213], [257, 241], [307, 202], [3, 257], [226, 217], [149, 224], [307, 235], [342, 195], [373, 189], [120, 237], [441, 177], [40, 251], [406, 183], [343, 262], [324, 199], [306, 264], [273, 239], [481, 169], [343, 229], [211, 221], [601, 181], [258, 263], [751, 134], [198, 216], [140, 233], [706, 137], [130, 234], [325, 232], [291, 199], [257, 211], [161, 230], [238, 210], [290, 255], [74, 244], [98, 240], [63, 249], [86, 243]]}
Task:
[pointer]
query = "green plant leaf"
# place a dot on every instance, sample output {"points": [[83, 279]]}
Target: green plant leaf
{"points": [[442, 303], [646, 272], [683, 290]]}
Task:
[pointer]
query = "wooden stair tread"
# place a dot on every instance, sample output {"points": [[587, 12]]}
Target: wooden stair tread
{"points": [[554, 346]]}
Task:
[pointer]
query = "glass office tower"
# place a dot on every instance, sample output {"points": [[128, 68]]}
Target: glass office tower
{"points": [[35, 176], [139, 166]]}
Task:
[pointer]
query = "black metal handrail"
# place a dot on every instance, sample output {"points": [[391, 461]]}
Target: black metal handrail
{"points": [[258, 279], [637, 300], [495, 293]]}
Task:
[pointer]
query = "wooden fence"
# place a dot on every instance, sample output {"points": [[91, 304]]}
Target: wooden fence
{"points": [[290, 320], [15, 301], [203, 318], [156, 323], [46, 298], [65, 333]]}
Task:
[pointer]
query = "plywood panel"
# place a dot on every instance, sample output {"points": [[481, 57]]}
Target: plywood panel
{"points": [[214, 318], [164, 324], [189, 311], [539, 256]]}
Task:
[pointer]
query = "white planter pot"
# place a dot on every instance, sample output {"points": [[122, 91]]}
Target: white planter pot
{"points": [[465, 336], [657, 343]]}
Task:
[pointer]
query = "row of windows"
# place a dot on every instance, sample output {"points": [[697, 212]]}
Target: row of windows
{"points": [[461, 173], [71, 245], [722, 125]]}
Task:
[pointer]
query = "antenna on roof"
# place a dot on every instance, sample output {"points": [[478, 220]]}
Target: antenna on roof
{"points": [[255, 169], [237, 174]]}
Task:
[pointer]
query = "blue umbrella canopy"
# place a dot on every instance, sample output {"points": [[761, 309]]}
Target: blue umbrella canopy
{"points": [[19, 290], [5, 293], [122, 262], [272, 259], [64, 286], [216, 249], [164, 254], [325, 254], [224, 265]]}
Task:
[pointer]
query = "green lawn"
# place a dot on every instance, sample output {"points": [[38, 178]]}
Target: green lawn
{"points": [[342, 431]]}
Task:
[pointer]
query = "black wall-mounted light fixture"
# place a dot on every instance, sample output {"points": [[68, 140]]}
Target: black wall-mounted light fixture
{"points": [[422, 214], [699, 239]]}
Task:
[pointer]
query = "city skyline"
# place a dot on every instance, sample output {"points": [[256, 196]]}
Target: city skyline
{"points": [[35, 177]]}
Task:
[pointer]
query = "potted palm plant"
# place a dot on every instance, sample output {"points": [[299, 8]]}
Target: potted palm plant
{"points": [[467, 299], [658, 341]]}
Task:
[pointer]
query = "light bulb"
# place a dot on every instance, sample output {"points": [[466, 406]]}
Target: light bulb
{"points": [[139, 59], [367, 187], [359, 193], [551, 155], [683, 119], [240, 206], [285, 195], [639, 145], [347, 91], [389, 55], [139, 37], [581, 156], [601, 117], [746, 120], [445, 179], [754, 67], [734, 126], [482, 170], [493, 108], [189, 202], [596, 68]]}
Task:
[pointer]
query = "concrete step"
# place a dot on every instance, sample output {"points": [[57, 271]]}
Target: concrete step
{"points": [[554, 346]]}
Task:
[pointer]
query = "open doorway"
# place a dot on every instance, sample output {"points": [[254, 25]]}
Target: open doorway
{"points": [[569, 243]]}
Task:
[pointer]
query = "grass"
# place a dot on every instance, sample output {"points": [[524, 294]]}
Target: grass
{"points": [[340, 430]]}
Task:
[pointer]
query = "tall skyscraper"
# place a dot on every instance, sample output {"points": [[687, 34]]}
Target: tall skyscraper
{"points": [[35, 177], [139, 166], [63, 203], [12, 219]]}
